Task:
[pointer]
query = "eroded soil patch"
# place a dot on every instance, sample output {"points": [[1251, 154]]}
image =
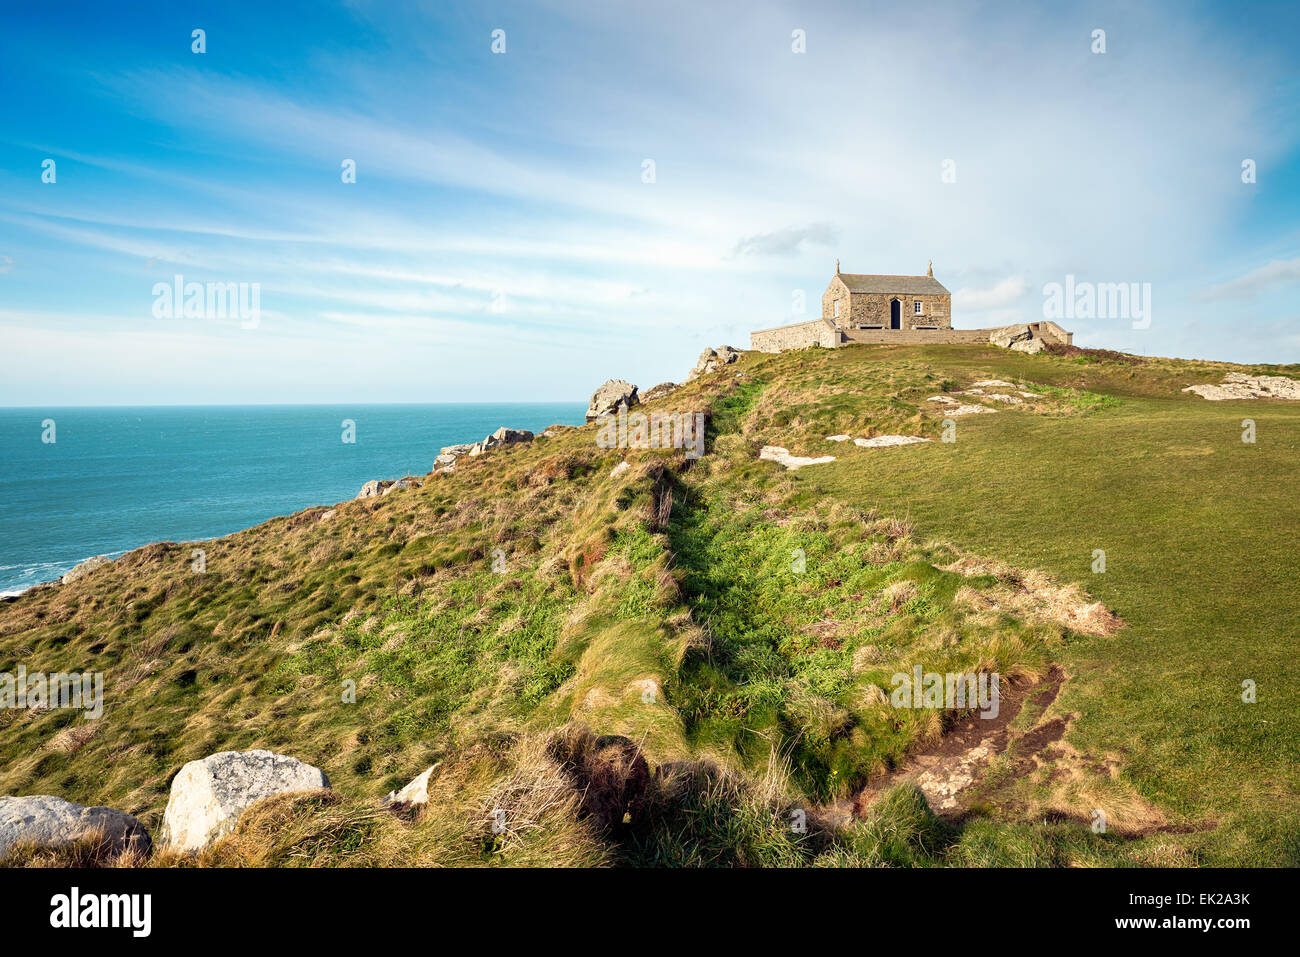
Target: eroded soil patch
{"points": [[946, 770]]}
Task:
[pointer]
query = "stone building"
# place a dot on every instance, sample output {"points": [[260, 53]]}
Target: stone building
{"points": [[899, 310], [854, 301]]}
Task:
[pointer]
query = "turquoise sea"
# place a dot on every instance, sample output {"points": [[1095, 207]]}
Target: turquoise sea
{"points": [[116, 478]]}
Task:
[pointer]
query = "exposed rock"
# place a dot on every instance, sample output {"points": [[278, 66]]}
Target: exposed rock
{"points": [[1031, 346], [774, 453], [1006, 335], [968, 410], [1008, 399], [415, 794], [946, 400], [881, 441], [207, 796], [1239, 385], [837, 438], [501, 437], [51, 822], [1031, 395], [554, 430], [607, 399], [326, 515], [619, 469], [374, 488], [408, 482], [994, 382], [89, 565], [713, 359], [659, 391], [447, 455]]}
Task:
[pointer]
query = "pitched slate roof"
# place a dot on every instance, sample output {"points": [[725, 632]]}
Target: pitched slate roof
{"points": [[903, 285]]}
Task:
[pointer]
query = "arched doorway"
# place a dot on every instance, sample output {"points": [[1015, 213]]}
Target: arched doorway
{"points": [[895, 314]]}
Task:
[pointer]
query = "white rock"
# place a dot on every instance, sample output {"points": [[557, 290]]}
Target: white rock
{"points": [[415, 794], [1032, 395], [837, 438], [619, 469], [1008, 399], [1007, 336], [207, 796], [1239, 385], [447, 455], [881, 441], [994, 382], [774, 453], [51, 822], [968, 410], [607, 399], [1030, 346], [711, 360], [374, 488]]}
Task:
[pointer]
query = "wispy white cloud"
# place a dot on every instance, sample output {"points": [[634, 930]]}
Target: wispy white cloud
{"points": [[1276, 273], [1004, 293]]}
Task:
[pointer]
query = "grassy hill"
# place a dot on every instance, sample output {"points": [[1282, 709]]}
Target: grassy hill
{"points": [[673, 664]]}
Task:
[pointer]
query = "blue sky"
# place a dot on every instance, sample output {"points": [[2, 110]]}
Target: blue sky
{"points": [[499, 242]]}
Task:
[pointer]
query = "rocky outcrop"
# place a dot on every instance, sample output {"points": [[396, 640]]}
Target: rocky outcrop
{"points": [[883, 441], [1006, 336], [408, 482], [775, 453], [499, 438], [447, 455], [607, 399], [374, 488], [1031, 346], [208, 796], [660, 391], [89, 565], [712, 360], [1239, 385], [50, 822]]}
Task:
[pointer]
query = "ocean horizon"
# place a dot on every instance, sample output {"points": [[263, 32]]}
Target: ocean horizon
{"points": [[81, 481]]}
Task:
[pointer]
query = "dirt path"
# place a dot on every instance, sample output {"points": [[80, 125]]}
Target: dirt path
{"points": [[946, 771]]}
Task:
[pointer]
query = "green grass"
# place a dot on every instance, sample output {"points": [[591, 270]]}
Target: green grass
{"points": [[738, 626], [1198, 530]]}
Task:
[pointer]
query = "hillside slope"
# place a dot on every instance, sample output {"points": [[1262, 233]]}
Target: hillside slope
{"points": [[738, 627]]}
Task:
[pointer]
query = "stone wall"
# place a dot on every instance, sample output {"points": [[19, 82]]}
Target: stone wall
{"points": [[872, 309], [913, 337], [822, 332], [801, 335]]}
